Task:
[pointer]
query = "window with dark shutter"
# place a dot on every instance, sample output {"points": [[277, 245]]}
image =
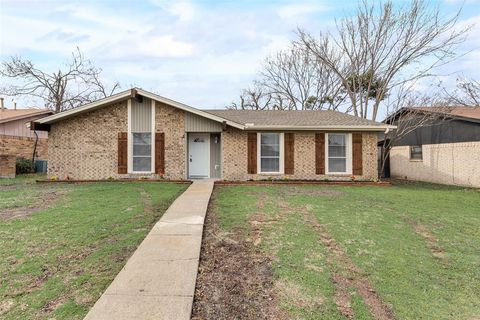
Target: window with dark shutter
{"points": [[160, 153], [289, 140], [320, 153], [252, 153], [122, 152], [357, 160]]}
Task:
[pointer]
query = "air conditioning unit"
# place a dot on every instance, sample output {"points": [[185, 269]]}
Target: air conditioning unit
{"points": [[41, 166]]}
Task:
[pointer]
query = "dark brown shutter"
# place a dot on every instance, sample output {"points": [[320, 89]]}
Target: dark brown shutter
{"points": [[252, 152], [320, 153], [357, 153], [160, 153], [122, 152], [289, 141]]}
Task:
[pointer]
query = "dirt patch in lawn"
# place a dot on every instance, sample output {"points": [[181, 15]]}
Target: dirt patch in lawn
{"points": [[345, 274], [430, 240], [313, 192], [147, 201], [235, 280], [42, 201], [8, 187]]}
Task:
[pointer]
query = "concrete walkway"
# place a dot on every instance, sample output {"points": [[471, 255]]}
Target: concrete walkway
{"points": [[158, 281]]}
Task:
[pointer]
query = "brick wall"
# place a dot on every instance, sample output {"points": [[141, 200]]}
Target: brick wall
{"points": [[7, 166], [172, 121], [234, 162], [85, 146], [23, 147], [447, 163]]}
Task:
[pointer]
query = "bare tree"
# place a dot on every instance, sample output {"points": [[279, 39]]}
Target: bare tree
{"points": [[383, 47], [410, 111], [292, 80], [255, 98], [467, 92], [77, 83]]}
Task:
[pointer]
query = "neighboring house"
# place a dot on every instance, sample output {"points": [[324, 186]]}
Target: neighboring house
{"points": [[140, 134], [17, 140], [446, 151]]}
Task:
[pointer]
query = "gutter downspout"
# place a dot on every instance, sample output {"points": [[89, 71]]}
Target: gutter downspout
{"points": [[34, 149]]}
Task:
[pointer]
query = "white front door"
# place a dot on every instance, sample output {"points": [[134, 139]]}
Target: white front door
{"points": [[199, 155]]}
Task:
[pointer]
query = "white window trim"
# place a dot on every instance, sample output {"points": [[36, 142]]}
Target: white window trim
{"points": [[130, 140], [153, 136], [259, 156], [349, 154]]}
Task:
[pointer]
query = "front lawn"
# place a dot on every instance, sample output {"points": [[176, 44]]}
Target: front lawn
{"points": [[409, 251], [62, 244]]}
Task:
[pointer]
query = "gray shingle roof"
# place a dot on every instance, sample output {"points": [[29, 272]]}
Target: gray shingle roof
{"points": [[304, 118]]}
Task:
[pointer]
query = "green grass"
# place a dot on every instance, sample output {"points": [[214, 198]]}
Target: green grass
{"points": [[378, 229], [57, 261]]}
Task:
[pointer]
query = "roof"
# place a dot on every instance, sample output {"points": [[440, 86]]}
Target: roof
{"points": [[458, 112], [304, 119], [7, 115], [129, 94], [242, 119], [464, 112]]}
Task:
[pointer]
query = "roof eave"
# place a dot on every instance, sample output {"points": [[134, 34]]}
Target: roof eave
{"points": [[29, 115], [88, 107], [322, 128], [128, 94]]}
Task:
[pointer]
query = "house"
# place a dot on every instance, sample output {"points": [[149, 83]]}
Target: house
{"points": [[445, 150], [138, 134], [16, 140]]}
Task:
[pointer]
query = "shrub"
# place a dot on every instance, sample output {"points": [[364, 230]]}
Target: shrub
{"points": [[24, 165]]}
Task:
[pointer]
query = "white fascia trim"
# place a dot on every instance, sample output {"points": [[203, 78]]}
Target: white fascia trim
{"points": [[87, 107], [127, 94], [323, 128], [193, 110]]}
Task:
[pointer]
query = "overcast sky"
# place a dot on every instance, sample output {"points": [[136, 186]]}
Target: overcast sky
{"points": [[197, 52]]}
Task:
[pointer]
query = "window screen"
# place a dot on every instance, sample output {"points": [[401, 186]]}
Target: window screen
{"points": [[142, 152], [337, 152], [270, 152]]}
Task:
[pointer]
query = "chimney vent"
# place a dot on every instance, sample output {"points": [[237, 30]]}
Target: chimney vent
{"points": [[14, 105], [1, 104]]}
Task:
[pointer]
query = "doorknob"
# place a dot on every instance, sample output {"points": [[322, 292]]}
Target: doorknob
{"points": [[190, 158]]}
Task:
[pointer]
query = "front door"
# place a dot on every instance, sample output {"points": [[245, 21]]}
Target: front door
{"points": [[198, 155]]}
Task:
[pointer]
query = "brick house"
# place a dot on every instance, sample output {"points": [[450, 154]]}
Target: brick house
{"points": [[136, 134], [16, 140], [445, 151]]}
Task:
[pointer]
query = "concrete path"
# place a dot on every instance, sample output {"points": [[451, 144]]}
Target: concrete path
{"points": [[158, 281]]}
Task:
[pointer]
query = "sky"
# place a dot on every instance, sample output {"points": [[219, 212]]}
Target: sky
{"points": [[202, 53]]}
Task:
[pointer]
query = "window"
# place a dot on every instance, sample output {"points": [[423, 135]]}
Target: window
{"points": [[141, 115], [416, 153], [339, 153], [270, 152], [142, 152]]}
